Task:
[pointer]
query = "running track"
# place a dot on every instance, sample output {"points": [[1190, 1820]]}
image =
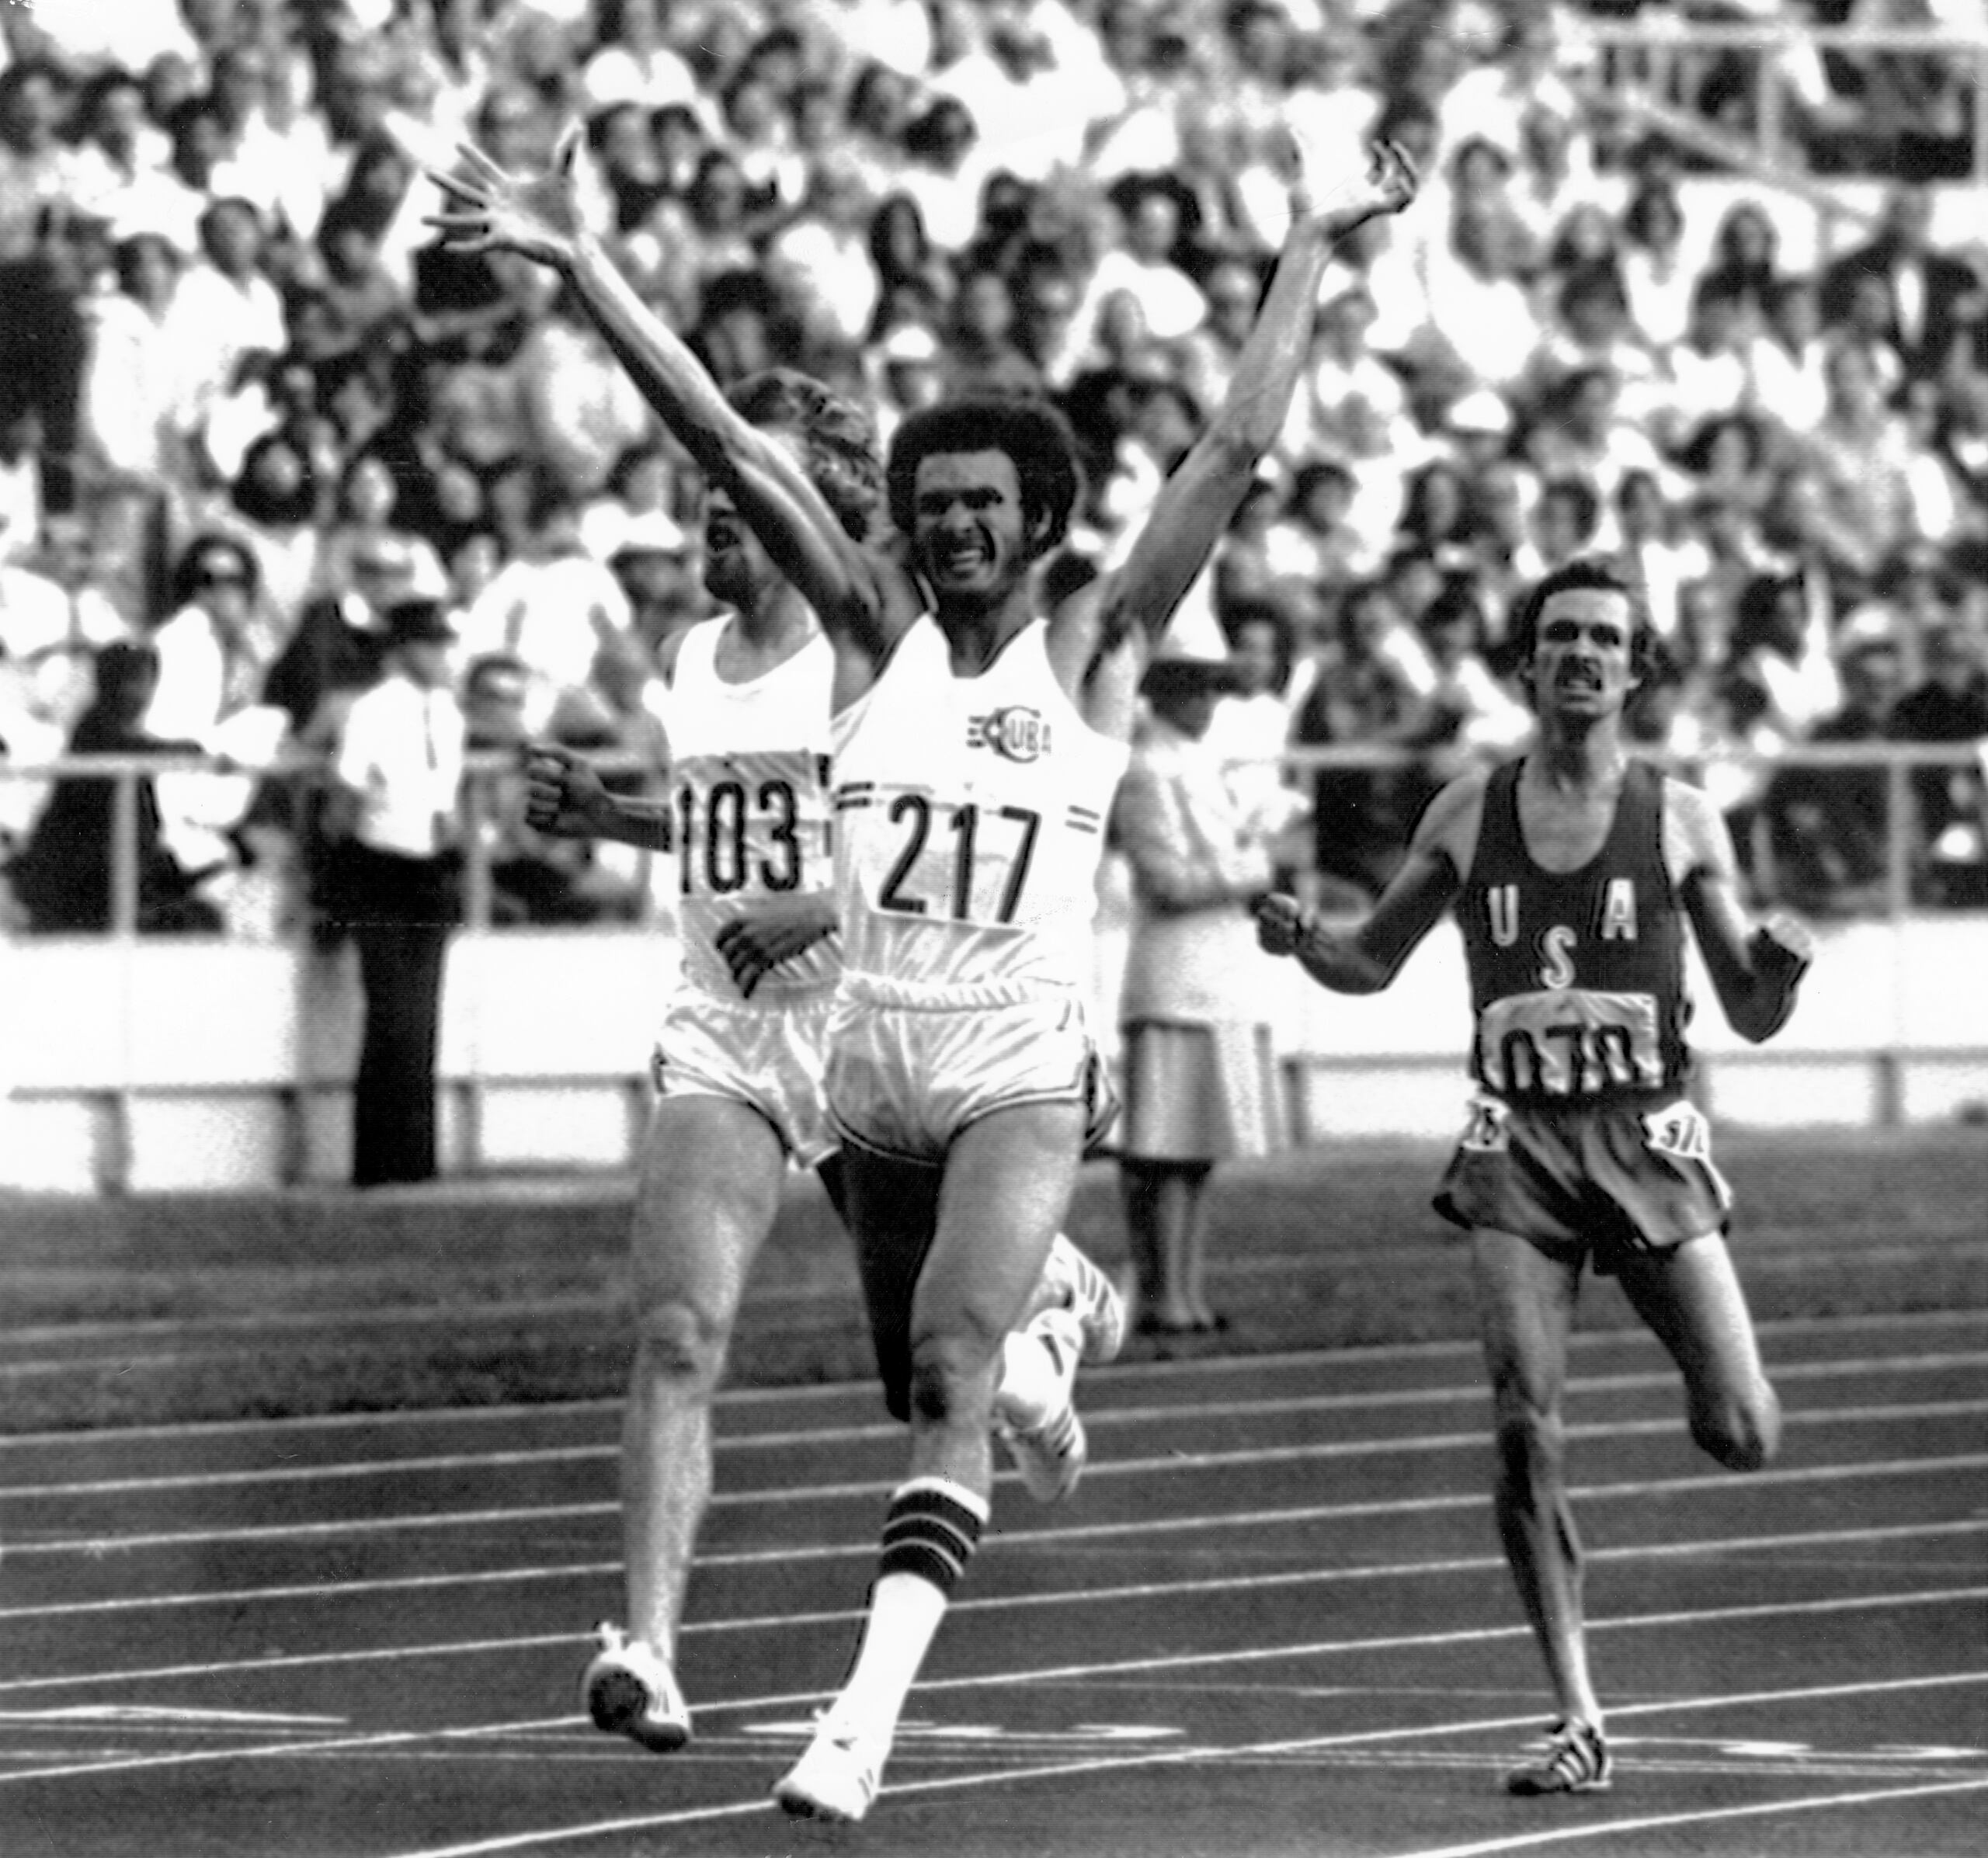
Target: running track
{"points": [[1271, 1622]]}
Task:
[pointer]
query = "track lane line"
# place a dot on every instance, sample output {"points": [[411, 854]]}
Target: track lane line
{"points": [[1097, 1418], [1213, 1756], [399, 1738], [1145, 1527], [1126, 1593], [729, 1398], [1652, 1822], [99, 1545]]}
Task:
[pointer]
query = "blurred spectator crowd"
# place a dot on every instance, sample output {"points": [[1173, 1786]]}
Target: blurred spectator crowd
{"points": [[247, 405]]}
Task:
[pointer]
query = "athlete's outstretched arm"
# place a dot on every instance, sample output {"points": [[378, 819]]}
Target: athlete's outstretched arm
{"points": [[1366, 959], [1194, 506], [538, 217], [1756, 969], [566, 798]]}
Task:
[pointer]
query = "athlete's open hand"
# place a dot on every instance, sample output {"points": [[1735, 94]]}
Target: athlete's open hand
{"points": [[1389, 182], [490, 209], [774, 930], [563, 796], [1280, 923]]}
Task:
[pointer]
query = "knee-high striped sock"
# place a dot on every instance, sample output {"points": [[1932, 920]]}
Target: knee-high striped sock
{"points": [[930, 1534]]}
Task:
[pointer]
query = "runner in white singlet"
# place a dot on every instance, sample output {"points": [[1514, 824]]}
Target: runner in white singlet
{"points": [[955, 1208]]}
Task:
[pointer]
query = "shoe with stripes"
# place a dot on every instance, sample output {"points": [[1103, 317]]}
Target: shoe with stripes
{"points": [[1576, 1761], [1091, 1296], [1050, 1452], [837, 1778], [629, 1690]]}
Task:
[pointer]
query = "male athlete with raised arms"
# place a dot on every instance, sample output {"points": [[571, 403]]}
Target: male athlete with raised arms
{"points": [[737, 1061], [977, 746], [1573, 872]]}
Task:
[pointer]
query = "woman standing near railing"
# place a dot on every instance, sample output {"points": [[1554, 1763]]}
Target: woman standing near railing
{"points": [[63, 877]]}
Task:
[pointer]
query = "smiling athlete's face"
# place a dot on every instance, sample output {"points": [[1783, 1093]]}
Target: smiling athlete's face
{"points": [[1582, 660], [968, 532]]}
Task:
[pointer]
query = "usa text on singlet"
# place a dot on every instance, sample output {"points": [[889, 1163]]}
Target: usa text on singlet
{"points": [[969, 816], [1577, 978]]}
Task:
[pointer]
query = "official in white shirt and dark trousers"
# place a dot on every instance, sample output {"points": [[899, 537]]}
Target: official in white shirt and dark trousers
{"points": [[394, 812]]}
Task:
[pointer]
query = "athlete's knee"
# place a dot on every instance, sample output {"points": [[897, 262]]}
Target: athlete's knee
{"points": [[1530, 1438], [951, 1376], [1739, 1430], [675, 1339]]}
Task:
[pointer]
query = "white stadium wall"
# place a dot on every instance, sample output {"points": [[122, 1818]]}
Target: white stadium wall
{"points": [[160, 1065]]}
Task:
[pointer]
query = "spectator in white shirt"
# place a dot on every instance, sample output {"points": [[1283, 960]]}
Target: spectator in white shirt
{"points": [[633, 63], [821, 261], [1787, 364], [1656, 276], [896, 34], [945, 172], [392, 812], [37, 167], [208, 682], [553, 605], [225, 312], [120, 172], [1145, 268], [1473, 719], [1708, 372]]}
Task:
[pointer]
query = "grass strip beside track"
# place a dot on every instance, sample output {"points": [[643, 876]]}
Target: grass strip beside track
{"points": [[201, 1306]]}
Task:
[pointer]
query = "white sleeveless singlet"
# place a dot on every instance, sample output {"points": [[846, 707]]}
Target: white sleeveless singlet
{"points": [[748, 802], [970, 815]]}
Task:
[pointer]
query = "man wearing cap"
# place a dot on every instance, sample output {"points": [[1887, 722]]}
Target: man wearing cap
{"points": [[340, 646], [1200, 1071], [391, 813]]}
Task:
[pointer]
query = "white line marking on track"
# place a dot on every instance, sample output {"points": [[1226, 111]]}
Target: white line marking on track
{"points": [[1203, 1367], [1651, 1822], [1204, 1755], [99, 1545], [1143, 1528], [1099, 1418], [399, 1739], [1089, 1597]]}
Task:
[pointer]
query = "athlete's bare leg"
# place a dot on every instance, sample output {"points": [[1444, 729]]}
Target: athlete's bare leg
{"points": [[711, 1176], [1691, 1299], [1525, 1302], [1008, 1182], [966, 1246]]}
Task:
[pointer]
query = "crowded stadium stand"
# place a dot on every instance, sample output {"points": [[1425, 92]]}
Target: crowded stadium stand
{"points": [[1702, 287]]}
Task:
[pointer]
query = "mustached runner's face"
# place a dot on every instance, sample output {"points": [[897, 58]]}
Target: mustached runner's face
{"points": [[969, 534], [735, 565], [1582, 661], [737, 571]]}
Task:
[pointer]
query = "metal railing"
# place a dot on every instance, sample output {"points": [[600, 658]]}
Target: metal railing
{"points": [[1899, 760], [1655, 62], [112, 1100]]}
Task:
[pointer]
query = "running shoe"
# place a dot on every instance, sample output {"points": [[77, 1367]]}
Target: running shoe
{"points": [[1576, 1760], [1092, 1296], [837, 1778], [1050, 1452], [629, 1690]]}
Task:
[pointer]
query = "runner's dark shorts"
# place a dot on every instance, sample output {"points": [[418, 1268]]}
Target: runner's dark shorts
{"points": [[1593, 1181]]}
